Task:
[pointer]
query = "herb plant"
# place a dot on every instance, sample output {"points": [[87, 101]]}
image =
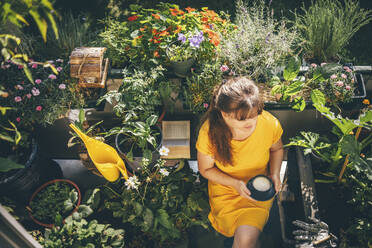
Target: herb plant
{"points": [[58, 198], [259, 42], [327, 26]]}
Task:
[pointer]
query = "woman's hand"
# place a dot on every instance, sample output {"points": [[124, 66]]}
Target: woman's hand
{"points": [[277, 183], [242, 189]]}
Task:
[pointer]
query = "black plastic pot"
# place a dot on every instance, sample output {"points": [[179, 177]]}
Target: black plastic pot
{"points": [[135, 165], [20, 184]]}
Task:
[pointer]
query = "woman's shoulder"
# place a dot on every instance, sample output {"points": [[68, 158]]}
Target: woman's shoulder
{"points": [[269, 119]]}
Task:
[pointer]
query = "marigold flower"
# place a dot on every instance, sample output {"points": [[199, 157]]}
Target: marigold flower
{"points": [[132, 18], [190, 9], [366, 102], [156, 16]]}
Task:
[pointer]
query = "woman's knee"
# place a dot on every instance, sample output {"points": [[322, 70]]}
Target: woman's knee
{"points": [[246, 236]]}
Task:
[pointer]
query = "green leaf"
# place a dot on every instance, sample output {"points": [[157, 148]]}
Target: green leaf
{"points": [[164, 219], [292, 69], [294, 88], [85, 210], [7, 165], [317, 97], [276, 89], [299, 104], [148, 218], [81, 116], [151, 120], [40, 22]]}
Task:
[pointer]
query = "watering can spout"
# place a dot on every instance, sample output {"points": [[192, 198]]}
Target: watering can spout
{"points": [[104, 157]]}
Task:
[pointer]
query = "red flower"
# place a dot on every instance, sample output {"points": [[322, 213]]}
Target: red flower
{"points": [[156, 54], [132, 18]]}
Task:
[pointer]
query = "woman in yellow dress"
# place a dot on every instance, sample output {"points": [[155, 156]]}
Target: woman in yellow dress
{"points": [[237, 141]]}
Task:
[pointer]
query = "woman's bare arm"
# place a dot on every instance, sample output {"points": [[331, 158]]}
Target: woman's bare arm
{"points": [[276, 159], [208, 170]]}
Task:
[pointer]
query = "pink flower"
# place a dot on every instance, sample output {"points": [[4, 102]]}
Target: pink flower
{"points": [[38, 81], [39, 108], [35, 91], [62, 86], [205, 105], [339, 83], [50, 61], [343, 76], [28, 95], [19, 87], [52, 76], [347, 87], [34, 66], [314, 65], [224, 68], [59, 60], [333, 76], [20, 66], [18, 119], [17, 99], [323, 64], [192, 69], [59, 68]]}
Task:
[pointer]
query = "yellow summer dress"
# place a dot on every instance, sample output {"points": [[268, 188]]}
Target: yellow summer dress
{"points": [[250, 157]]}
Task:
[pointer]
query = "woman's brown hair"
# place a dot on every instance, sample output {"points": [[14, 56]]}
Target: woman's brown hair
{"points": [[237, 96]]}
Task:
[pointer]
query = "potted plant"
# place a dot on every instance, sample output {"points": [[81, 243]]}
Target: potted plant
{"points": [[342, 170], [31, 106], [79, 230], [57, 197], [138, 140], [258, 44], [326, 27], [161, 203], [148, 33]]}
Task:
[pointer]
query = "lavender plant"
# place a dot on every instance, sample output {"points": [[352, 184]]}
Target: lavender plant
{"points": [[260, 42]]}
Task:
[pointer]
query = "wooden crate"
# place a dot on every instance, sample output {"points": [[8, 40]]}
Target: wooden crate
{"points": [[87, 64], [176, 137]]}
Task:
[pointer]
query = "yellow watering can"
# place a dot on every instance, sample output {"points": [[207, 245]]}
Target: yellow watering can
{"points": [[104, 157]]}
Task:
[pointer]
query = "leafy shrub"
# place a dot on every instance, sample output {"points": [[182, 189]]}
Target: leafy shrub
{"points": [[160, 201], [260, 42]]}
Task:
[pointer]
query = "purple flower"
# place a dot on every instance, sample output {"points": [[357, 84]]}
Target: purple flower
{"points": [[17, 99], [333, 76], [224, 68], [38, 81], [211, 26], [196, 39], [52, 76], [347, 87], [181, 37], [339, 83], [28, 95], [35, 91], [19, 87], [62, 86], [59, 68]]}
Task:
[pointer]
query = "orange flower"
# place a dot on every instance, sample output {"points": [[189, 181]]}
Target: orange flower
{"points": [[156, 53], [163, 33], [174, 12], [366, 102], [190, 9], [132, 18], [156, 16], [179, 28], [204, 19], [139, 37], [154, 31], [142, 29]]}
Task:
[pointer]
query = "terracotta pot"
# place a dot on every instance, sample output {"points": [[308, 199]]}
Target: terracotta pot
{"points": [[44, 186]]}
